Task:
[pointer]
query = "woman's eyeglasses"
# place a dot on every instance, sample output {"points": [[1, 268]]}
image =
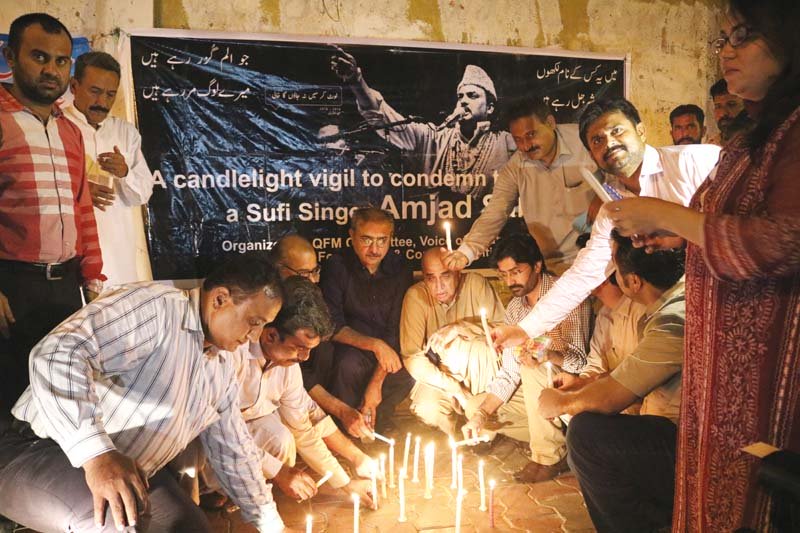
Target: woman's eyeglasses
{"points": [[739, 36]]}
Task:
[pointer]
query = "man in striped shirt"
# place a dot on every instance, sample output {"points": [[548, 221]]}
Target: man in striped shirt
{"points": [[48, 237], [520, 263], [125, 384]]}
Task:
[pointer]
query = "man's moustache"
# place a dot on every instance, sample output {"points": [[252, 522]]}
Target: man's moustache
{"points": [[98, 108], [612, 150]]}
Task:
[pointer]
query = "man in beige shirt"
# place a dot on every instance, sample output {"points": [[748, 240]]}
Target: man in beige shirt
{"points": [[444, 297], [626, 464], [542, 178]]}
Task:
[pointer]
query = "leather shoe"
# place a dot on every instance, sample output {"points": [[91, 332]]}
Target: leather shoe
{"points": [[535, 473]]}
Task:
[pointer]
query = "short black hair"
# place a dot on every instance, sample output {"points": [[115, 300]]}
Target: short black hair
{"points": [[245, 275], [688, 109], [602, 106], [49, 23], [303, 308], [524, 107], [99, 60], [521, 247], [720, 88], [662, 268], [363, 215]]}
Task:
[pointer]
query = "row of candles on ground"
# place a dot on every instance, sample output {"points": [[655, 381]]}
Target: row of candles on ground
{"points": [[457, 481]]}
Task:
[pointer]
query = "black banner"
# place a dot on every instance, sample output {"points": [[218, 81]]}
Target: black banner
{"points": [[252, 139]]}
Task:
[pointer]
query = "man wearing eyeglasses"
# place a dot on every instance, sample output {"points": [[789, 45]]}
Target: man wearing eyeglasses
{"points": [[364, 287], [446, 297], [515, 389], [295, 256]]}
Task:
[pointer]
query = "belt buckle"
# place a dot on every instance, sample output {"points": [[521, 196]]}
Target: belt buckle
{"points": [[48, 272]]}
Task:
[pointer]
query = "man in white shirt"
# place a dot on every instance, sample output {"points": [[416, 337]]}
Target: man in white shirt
{"points": [[543, 177], [119, 179], [615, 136], [279, 413], [125, 384]]}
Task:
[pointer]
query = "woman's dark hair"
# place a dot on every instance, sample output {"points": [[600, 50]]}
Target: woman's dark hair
{"points": [[776, 21]]}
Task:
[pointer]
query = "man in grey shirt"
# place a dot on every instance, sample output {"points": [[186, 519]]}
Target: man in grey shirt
{"points": [[543, 177]]}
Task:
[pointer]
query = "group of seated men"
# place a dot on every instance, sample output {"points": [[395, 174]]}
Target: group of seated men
{"points": [[149, 384]]}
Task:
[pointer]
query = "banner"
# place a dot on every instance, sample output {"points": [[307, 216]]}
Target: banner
{"points": [[254, 137]]}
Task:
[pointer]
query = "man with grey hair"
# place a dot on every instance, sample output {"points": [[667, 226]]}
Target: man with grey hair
{"points": [[463, 144], [119, 178]]}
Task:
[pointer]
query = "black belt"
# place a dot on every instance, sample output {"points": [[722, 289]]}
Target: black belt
{"points": [[50, 271]]}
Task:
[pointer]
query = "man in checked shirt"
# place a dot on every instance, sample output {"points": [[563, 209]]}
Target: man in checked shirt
{"points": [[125, 384], [521, 265]]}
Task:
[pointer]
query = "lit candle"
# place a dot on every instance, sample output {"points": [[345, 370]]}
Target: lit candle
{"points": [[406, 450], [356, 505], [402, 517], [447, 236], [460, 471], [308, 523], [482, 483], [473, 441], [459, 503], [491, 503], [486, 331], [391, 464], [549, 366], [454, 461], [378, 436], [429, 458], [415, 479], [383, 475], [374, 472]]}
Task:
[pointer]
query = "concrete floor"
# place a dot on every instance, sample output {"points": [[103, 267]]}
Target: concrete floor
{"points": [[553, 506]]}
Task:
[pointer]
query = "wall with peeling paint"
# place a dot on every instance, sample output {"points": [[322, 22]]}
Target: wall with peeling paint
{"points": [[667, 39]]}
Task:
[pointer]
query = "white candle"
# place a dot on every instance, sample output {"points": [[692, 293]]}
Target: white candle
{"points": [[308, 523], [429, 458], [356, 505], [460, 471], [402, 517], [406, 450], [378, 436], [415, 479], [391, 464], [447, 236], [491, 503], [486, 331], [454, 462], [482, 483], [383, 475], [374, 473], [473, 441], [549, 366], [459, 503], [324, 478]]}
